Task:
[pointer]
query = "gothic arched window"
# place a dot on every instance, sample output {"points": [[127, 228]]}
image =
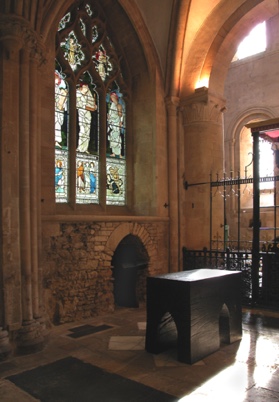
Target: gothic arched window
{"points": [[90, 112]]}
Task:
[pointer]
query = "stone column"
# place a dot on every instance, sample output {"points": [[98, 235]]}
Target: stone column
{"points": [[35, 76], [172, 111], [22, 49], [10, 277], [34, 180], [29, 334], [203, 130]]}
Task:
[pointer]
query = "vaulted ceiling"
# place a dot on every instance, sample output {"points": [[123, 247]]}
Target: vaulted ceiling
{"points": [[197, 39], [189, 43]]}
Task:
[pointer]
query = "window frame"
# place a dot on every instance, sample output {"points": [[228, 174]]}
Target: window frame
{"points": [[102, 88]]}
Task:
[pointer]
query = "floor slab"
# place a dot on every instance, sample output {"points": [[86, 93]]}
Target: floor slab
{"points": [[247, 370]]}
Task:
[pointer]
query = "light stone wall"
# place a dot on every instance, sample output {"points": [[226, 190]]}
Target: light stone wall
{"points": [[251, 92]]}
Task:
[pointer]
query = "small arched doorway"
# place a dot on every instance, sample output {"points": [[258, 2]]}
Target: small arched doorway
{"points": [[130, 262]]}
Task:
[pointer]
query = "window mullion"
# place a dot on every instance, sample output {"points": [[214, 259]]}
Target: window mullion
{"points": [[72, 145], [103, 139]]}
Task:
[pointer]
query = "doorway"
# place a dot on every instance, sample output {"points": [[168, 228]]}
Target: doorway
{"points": [[130, 262]]}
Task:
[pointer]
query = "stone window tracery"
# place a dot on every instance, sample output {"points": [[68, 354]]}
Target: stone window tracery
{"points": [[90, 111]]}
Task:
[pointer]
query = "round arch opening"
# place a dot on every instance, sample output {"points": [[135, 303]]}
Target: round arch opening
{"points": [[129, 262]]}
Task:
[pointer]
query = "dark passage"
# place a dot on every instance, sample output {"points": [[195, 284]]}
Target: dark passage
{"points": [[129, 261]]}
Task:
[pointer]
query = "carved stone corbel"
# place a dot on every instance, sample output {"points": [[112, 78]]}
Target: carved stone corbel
{"points": [[16, 34]]}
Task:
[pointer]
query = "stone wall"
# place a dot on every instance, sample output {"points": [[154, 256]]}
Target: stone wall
{"points": [[77, 272], [251, 91]]}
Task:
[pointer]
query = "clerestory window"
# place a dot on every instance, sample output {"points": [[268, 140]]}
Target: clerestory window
{"points": [[90, 112], [253, 43]]}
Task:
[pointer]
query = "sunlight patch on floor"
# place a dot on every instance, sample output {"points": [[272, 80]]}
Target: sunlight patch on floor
{"points": [[256, 362], [142, 325]]}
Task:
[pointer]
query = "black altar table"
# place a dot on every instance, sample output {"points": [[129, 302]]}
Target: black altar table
{"points": [[205, 305]]}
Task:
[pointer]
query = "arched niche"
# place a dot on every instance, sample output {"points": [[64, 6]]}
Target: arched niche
{"points": [[129, 270]]}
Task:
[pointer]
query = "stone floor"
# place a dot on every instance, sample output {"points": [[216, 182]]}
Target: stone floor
{"points": [[103, 359]]}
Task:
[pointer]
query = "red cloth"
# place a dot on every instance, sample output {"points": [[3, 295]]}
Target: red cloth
{"points": [[272, 136]]}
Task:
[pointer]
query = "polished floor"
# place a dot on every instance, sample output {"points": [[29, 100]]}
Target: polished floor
{"points": [[103, 359]]}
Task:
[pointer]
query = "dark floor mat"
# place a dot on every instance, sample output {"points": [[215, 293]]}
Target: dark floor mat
{"points": [[72, 380], [5, 366], [84, 330]]}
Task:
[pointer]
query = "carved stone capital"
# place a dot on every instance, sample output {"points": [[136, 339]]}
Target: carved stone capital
{"points": [[16, 34], [203, 106]]}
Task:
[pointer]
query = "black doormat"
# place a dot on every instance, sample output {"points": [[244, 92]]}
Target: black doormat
{"points": [[83, 330], [72, 380]]}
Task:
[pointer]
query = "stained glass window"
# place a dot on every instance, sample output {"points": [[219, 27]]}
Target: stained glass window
{"points": [[90, 111], [61, 130], [116, 166]]}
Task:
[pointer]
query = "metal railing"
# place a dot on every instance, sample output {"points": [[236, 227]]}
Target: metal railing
{"points": [[268, 278]]}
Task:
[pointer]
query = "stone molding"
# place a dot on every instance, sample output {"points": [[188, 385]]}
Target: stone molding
{"points": [[172, 105], [16, 34]]}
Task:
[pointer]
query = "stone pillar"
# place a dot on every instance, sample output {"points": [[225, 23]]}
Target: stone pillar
{"points": [[203, 129], [10, 278], [174, 247], [22, 52], [34, 92]]}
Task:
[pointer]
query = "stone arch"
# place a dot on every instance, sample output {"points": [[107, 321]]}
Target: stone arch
{"points": [[123, 230], [246, 116], [235, 127], [209, 40], [126, 15], [178, 27], [149, 49], [129, 272], [129, 284], [240, 24], [53, 12], [239, 161], [217, 40], [141, 70]]}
